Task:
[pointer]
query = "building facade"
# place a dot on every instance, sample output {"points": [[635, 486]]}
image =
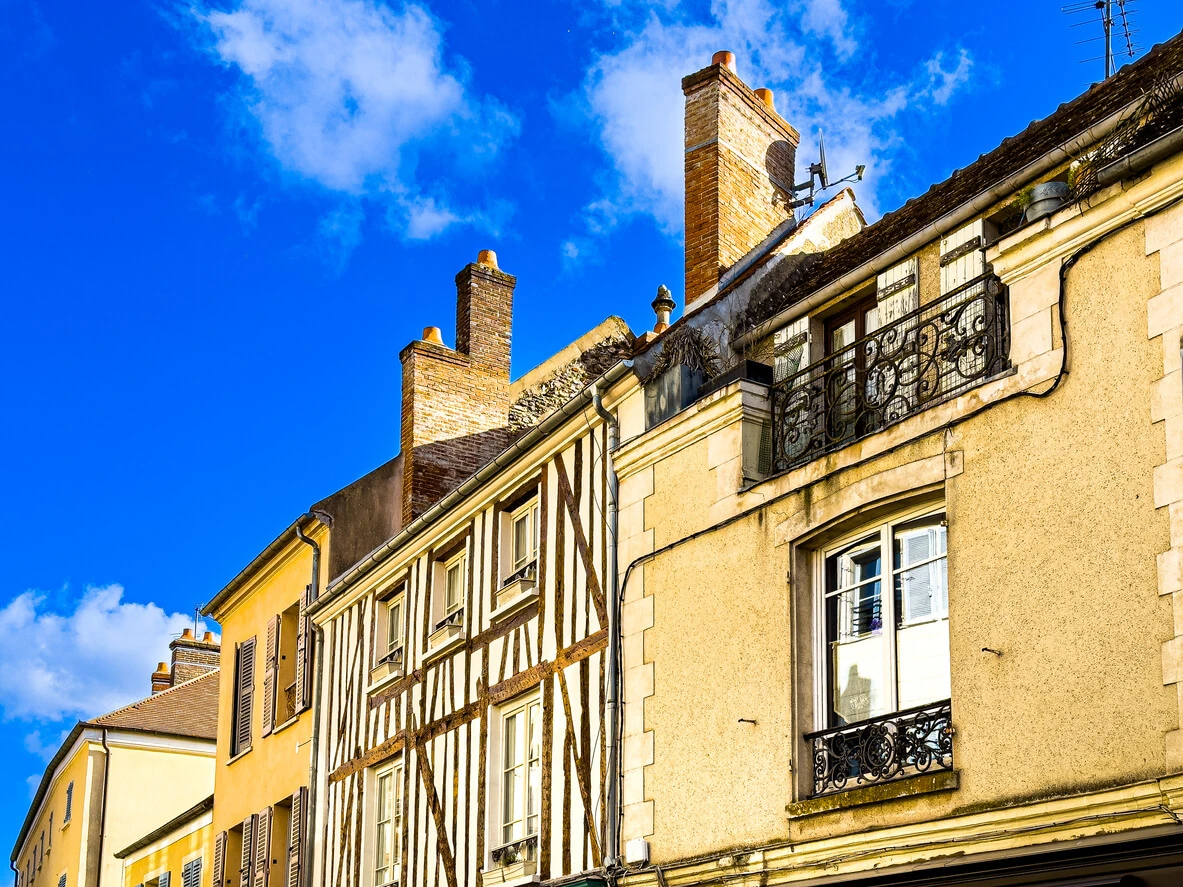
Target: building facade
{"points": [[177, 854], [916, 495], [118, 776], [465, 685]]}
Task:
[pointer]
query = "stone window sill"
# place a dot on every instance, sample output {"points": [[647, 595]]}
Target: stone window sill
{"points": [[910, 787]]}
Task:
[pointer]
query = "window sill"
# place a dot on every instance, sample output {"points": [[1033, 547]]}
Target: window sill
{"points": [[513, 875], [513, 597], [382, 675], [445, 638], [238, 757], [280, 727], [909, 787]]}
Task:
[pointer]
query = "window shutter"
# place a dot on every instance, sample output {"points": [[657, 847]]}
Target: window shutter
{"points": [[248, 851], [69, 801], [164, 880], [262, 872], [244, 707], [304, 654], [191, 873], [296, 837], [897, 292], [62, 880], [918, 585], [790, 349], [963, 256], [270, 676], [219, 860]]}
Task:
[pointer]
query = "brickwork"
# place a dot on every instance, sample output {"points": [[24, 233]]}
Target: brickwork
{"points": [[192, 658], [456, 403], [739, 166]]}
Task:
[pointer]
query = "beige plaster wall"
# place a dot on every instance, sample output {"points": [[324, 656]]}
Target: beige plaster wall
{"points": [[1054, 540]]}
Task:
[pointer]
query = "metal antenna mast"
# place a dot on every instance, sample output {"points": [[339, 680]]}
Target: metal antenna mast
{"points": [[1116, 20]]}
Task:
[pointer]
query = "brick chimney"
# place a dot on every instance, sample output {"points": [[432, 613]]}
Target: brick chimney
{"points": [[161, 678], [456, 401], [193, 658], [739, 164]]}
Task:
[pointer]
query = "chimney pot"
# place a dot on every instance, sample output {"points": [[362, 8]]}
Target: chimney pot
{"points": [[187, 634], [207, 638], [162, 668], [663, 306], [765, 95], [724, 58], [488, 258], [432, 334]]}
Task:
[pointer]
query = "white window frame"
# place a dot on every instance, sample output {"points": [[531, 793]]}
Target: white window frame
{"points": [[394, 770], [457, 562], [392, 632], [531, 513], [885, 527], [498, 773]]}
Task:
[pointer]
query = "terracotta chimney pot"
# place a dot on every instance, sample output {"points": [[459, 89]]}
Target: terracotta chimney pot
{"points": [[663, 306], [765, 95], [724, 58], [488, 258], [207, 638], [162, 668], [187, 634], [432, 334]]}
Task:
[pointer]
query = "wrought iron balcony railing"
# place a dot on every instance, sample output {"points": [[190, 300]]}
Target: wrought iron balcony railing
{"points": [[907, 743], [521, 850], [936, 352]]}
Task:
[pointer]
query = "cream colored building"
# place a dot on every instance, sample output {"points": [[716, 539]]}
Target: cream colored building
{"points": [[177, 854], [900, 529], [119, 776]]}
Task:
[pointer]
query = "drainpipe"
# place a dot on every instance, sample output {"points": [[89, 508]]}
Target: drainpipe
{"points": [[611, 841], [103, 806], [318, 658]]}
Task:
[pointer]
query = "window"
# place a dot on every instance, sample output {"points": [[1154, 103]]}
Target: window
{"points": [[886, 652], [393, 619], [388, 818], [69, 802], [454, 576], [244, 696], [524, 532], [521, 756], [281, 699]]}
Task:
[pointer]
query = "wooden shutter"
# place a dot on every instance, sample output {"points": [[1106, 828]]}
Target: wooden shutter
{"points": [[164, 880], [897, 292], [69, 801], [191, 873], [262, 872], [62, 880], [296, 837], [304, 654], [244, 704], [271, 676], [963, 256], [248, 851], [219, 860]]}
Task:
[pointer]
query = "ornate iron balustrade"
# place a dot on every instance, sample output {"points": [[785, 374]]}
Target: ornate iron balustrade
{"points": [[936, 352], [917, 740], [529, 572], [289, 700], [456, 617], [522, 850]]}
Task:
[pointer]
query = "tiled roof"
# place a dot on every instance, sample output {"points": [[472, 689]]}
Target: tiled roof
{"points": [[188, 709], [1068, 121]]}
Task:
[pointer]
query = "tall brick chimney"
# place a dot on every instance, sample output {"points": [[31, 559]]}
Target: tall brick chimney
{"points": [[192, 657], [456, 402], [740, 159]]}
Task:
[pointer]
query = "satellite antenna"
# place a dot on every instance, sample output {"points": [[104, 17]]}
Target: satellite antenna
{"points": [[819, 176], [1116, 18]]}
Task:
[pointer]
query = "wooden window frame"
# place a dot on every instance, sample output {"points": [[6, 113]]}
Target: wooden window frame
{"points": [[500, 772]]}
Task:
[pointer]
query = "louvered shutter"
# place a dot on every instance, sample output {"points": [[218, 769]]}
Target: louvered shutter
{"points": [[296, 837], [164, 880], [248, 851], [270, 676], [304, 654], [244, 706], [892, 386], [917, 583], [219, 860], [191, 873], [963, 260], [69, 801], [790, 349], [262, 871], [62, 880]]}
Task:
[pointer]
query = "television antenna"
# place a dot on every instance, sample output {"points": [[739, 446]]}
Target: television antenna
{"points": [[819, 176], [1116, 18]]}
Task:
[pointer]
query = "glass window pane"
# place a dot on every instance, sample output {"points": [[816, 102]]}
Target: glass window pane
{"points": [[454, 582], [521, 541], [854, 621]]}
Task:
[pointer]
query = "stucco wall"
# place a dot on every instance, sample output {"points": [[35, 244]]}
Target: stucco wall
{"points": [[65, 841], [191, 841], [276, 765]]}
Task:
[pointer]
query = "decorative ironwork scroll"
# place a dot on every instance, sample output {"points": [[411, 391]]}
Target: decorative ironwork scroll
{"points": [[918, 740], [523, 850], [936, 352]]}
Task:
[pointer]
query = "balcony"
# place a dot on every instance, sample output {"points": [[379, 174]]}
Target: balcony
{"points": [[935, 353], [906, 743]]}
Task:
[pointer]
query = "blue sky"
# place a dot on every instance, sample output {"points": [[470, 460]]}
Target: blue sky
{"points": [[224, 221]]}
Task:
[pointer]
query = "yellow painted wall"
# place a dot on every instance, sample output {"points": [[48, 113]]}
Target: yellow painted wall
{"points": [[1053, 537], [65, 842], [190, 841], [276, 765]]}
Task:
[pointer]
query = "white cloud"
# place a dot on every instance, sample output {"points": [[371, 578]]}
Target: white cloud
{"points": [[804, 51], [83, 663], [44, 749], [349, 94]]}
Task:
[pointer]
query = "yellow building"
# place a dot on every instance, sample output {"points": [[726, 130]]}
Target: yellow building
{"points": [[117, 777], [901, 522], [269, 657], [175, 855]]}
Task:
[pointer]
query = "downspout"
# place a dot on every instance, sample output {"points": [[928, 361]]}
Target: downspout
{"points": [[318, 658], [611, 842], [103, 807]]}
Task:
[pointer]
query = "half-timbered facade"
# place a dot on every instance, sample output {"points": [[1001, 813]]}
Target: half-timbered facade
{"points": [[464, 688]]}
